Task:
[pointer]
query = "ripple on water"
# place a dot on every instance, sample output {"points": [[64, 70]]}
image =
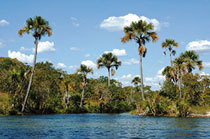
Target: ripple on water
{"points": [[102, 126]]}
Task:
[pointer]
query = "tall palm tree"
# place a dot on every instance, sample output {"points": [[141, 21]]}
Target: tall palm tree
{"points": [[179, 69], [38, 27], [191, 60], [141, 32], [170, 44], [84, 71], [109, 61]]}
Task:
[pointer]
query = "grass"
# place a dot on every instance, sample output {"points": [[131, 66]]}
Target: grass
{"points": [[200, 109]]}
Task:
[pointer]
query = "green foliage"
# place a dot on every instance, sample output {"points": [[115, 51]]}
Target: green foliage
{"points": [[157, 105], [55, 91], [169, 89], [183, 108]]}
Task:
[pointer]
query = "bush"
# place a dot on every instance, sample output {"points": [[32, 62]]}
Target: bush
{"points": [[183, 108], [157, 105]]}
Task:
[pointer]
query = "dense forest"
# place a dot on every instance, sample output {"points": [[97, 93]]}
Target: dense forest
{"points": [[44, 89], [55, 91]]}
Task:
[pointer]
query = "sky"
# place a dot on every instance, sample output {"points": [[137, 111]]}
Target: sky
{"points": [[84, 29]]}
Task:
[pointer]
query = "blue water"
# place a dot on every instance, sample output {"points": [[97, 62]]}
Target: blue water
{"points": [[99, 126]]}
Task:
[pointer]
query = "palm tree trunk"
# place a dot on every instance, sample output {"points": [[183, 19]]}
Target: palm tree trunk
{"points": [[108, 76], [32, 73], [171, 59], [83, 91], [142, 85], [179, 84]]}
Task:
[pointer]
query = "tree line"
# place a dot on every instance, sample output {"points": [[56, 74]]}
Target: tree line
{"points": [[41, 88]]}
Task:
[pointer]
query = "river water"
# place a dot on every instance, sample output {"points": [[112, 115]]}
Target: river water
{"points": [[99, 126]]}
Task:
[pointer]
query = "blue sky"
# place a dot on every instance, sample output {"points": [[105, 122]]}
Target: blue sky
{"points": [[83, 30]]}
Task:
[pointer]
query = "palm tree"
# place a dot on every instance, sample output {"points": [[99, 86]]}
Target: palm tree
{"points": [[141, 32], [179, 70], [84, 71], [169, 44], [38, 27], [136, 80], [191, 60], [109, 61], [167, 71]]}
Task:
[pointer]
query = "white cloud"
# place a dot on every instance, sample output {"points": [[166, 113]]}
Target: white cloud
{"points": [[4, 22], [23, 49], [131, 61], [20, 56], [126, 83], [204, 74], [114, 23], [206, 64], [202, 46], [129, 76], [87, 55], [74, 18], [74, 49], [45, 47], [1, 44], [61, 65], [89, 63], [74, 21], [117, 52], [154, 81]]}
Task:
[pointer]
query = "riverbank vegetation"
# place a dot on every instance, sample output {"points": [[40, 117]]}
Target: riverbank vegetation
{"points": [[53, 90]]}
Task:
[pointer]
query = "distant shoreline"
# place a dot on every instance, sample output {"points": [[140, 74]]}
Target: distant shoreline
{"points": [[192, 115]]}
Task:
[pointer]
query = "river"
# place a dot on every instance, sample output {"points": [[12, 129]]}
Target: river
{"points": [[99, 126]]}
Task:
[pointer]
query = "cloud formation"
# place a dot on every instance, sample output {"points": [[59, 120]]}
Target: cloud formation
{"points": [[45, 47], [204, 74], [89, 63], [206, 64], [201, 46], [74, 21], [154, 81], [117, 52], [115, 23], [1, 44], [20, 56], [4, 22], [23, 49], [61, 65]]}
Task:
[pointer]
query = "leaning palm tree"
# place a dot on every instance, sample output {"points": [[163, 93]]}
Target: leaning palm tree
{"points": [[109, 61], [191, 60], [170, 44], [38, 27], [141, 32], [84, 71]]}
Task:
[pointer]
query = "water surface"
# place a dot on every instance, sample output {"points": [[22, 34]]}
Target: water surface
{"points": [[100, 126]]}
